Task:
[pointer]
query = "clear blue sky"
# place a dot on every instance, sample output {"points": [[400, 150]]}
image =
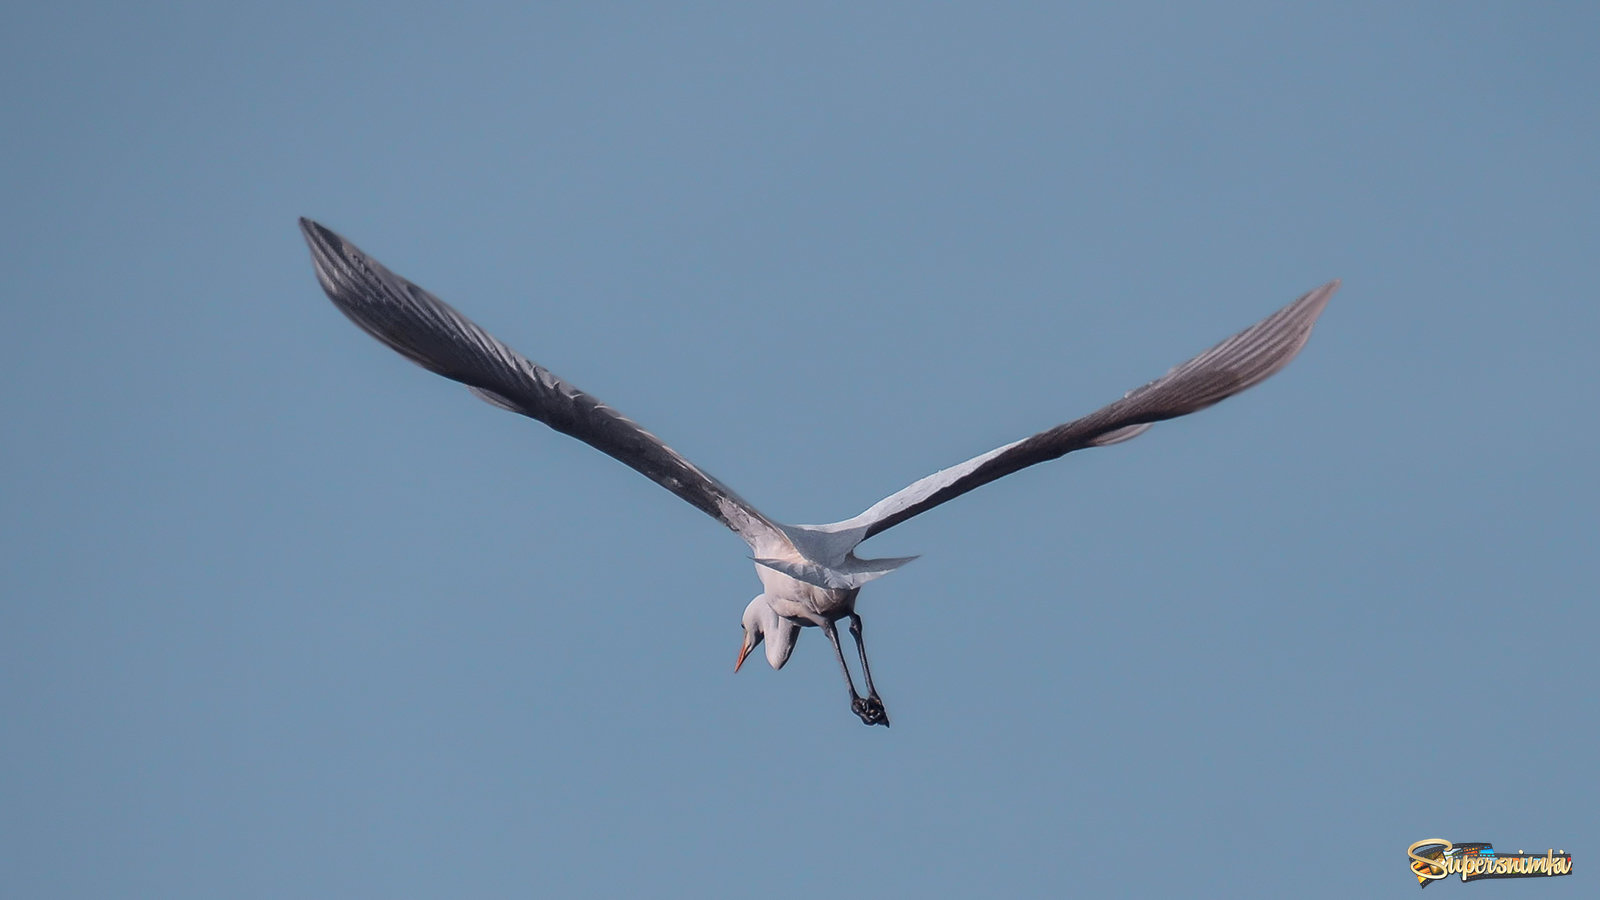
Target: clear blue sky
{"points": [[284, 616]]}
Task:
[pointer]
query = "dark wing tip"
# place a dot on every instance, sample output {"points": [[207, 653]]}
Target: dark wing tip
{"points": [[1263, 349], [1240, 362], [328, 251], [1310, 306], [315, 233], [1297, 320], [411, 321]]}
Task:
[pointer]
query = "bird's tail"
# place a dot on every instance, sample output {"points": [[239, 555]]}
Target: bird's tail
{"points": [[828, 559], [852, 573]]}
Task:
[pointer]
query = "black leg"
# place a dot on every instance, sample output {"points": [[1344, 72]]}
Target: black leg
{"points": [[874, 705], [833, 638], [866, 670], [870, 710]]}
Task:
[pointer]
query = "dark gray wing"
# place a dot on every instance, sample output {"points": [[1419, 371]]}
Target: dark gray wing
{"points": [[1248, 358], [427, 331]]}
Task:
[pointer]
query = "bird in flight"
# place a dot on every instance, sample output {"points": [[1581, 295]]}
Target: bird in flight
{"points": [[810, 574]]}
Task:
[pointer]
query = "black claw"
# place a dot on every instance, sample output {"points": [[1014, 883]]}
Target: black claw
{"points": [[871, 711]]}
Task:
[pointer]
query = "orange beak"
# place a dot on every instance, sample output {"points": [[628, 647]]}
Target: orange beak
{"points": [[744, 651]]}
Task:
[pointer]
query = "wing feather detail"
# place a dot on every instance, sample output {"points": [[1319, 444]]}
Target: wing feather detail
{"points": [[1240, 362], [432, 334]]}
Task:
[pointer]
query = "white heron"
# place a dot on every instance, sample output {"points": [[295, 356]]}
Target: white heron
{"points": [[809, 574]]}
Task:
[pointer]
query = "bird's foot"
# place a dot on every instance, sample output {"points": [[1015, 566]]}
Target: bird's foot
{"points": [[871, 710]]}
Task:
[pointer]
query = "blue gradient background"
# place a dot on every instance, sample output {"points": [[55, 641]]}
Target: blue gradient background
{"points": [[283, 616]]}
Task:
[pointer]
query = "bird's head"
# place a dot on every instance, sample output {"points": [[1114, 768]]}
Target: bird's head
{"points": [[761, 624]]}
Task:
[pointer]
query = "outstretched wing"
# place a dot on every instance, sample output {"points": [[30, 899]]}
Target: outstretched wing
{"points": [[1248, 358], [427, 331]]}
